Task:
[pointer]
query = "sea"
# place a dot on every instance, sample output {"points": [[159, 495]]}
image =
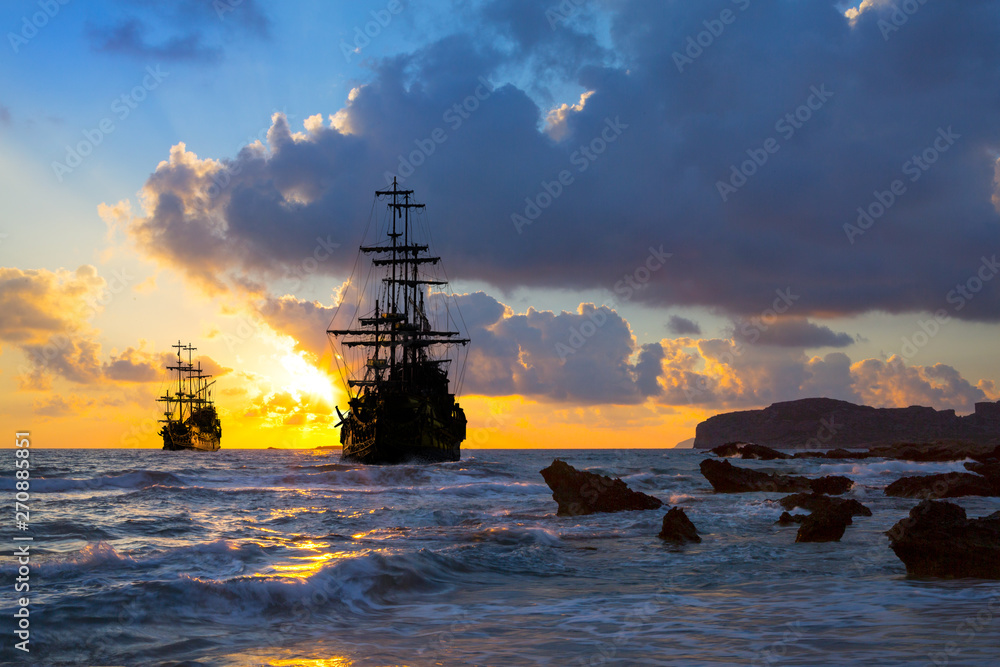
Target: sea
{"points": [[281, 557]]}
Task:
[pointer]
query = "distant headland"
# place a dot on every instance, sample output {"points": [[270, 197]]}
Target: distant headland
{"points": [[818, 423]]}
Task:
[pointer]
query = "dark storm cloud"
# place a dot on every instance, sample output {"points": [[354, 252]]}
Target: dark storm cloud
{"points": [[833, 110], [790, 332], [681, 326]]}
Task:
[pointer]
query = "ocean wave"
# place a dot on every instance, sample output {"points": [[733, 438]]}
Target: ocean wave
{"points": [[325, 467], [518, 536], [135, 479], [61, 529], [360, 584], [95, 556], [884, 471], [479, 489]]}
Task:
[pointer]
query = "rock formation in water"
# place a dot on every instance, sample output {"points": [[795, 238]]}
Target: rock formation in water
{"points": [[580, 492], [938, 540], [748, 450], [818, 501], [828, 518], [677, 528], [944, 485], [824, 422], [727, 478]]}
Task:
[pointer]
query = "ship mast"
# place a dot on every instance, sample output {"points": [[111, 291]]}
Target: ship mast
{"points": [[192, 390], [399, 322]]}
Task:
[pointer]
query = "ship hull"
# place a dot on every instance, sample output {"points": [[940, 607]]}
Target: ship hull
{"points": [[201, 432], [403, 430], [193, 441]]}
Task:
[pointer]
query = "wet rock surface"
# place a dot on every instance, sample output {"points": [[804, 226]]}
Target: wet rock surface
{"points": [[828, 518], [727, 478], [944, 485], [937, 539], [748, 450], [579, 492], [677, 528]]}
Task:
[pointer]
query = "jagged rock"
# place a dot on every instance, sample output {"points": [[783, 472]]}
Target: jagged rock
{"points": [[938, 540], [838, 454], [748, 450], [728, 449], [727, 478], [990, 470], [824, 526], [931, 451], [580, 492], [677, 527], [761, 453], [828, 518], [816, 422], [945, 485], [992, 456], [818, 501], [787, 519], [833, 485]]}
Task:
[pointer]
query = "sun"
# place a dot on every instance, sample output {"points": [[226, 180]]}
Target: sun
{"points": [[304, 378]]}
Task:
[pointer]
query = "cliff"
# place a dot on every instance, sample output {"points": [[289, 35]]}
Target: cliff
{"points": [[825, 423]]}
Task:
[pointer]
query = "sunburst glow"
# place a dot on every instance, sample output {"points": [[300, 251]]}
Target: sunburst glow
{"points": [[306, 379]]}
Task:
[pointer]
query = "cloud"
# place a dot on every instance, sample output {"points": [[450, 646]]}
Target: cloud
{"points": [[283, 408], [723, 374], [76, 359], [583, 357], [47, 316], [4, 115], [305, 321], [260, 212], [130, 38], [183, 31], [681, 326], [135, 366], [891, 383], [59, 406], [789, 332], [38, 304]]}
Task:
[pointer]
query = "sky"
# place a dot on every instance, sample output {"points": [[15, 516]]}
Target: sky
{"points": [[651, 211]]}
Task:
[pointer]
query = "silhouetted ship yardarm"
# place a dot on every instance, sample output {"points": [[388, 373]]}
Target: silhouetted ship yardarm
{"points": [[191, 421], [401, 404]]}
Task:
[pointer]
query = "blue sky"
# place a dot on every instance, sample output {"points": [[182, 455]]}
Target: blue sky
{"points": [[746, 140]]}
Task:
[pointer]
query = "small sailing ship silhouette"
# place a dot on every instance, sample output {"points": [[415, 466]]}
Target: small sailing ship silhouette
{"points": [[191, 421]]}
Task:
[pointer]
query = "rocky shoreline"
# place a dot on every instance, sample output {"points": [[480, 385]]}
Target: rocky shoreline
{"points": [[935, 540]]}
